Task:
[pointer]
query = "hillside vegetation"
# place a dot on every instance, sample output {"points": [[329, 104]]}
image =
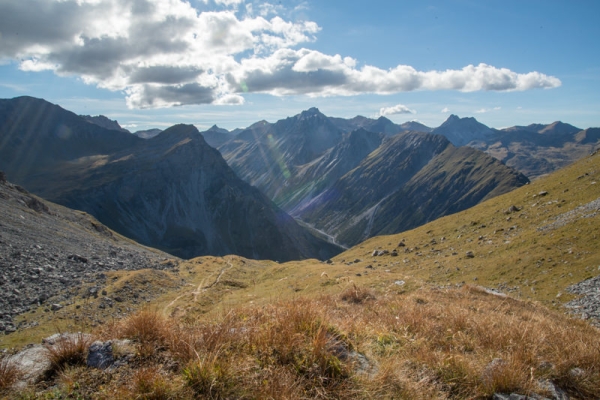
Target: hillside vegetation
{"points": [[410, 315]]}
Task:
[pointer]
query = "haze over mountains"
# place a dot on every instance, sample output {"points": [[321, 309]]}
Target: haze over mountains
{"points": [[173, 191], [350, 179]]}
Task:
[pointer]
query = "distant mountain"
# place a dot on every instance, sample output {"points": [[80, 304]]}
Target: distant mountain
{"points": [[461, 131], [267, 155], [411, 179], [104, 122], [555, 128], [379, 125], [216, 136], [339, 182], [35, 135], [539, 149], [415, 126], [313, 178], [534, 150], [173, 191], [148, 133]]}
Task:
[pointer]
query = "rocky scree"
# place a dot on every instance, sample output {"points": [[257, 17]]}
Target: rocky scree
{"points": [[46, 248]]}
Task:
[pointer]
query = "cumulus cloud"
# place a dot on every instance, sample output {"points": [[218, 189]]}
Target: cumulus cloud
{"points": [[163, 53], [397, 109], [445, 110]]}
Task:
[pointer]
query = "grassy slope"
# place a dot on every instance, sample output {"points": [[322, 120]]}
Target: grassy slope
{"points": [[510, 253], [246, 328]]}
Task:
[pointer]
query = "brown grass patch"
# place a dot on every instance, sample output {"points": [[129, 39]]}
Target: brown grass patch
{"points": [[148, 328], [356, 294], [9, 374], [69, 350], [429, 344]]}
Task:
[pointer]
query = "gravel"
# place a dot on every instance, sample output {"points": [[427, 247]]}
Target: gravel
{"points": [[46, 248]]}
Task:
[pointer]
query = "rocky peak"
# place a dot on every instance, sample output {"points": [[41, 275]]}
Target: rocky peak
{"points": [[461, 131], [104, 122], [311, 113]]}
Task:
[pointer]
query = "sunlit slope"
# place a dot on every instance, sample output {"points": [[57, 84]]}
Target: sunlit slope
{"points": [[534, 253]]}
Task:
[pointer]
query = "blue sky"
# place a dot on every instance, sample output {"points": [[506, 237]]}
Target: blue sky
{"points": [[150, 63]]}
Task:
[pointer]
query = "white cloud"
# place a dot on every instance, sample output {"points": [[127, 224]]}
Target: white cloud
{"points": [[164, 53], [445, 110], [485, 110], [397, 109]]}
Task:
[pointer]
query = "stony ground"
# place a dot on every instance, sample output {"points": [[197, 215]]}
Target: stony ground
{"points": [[587, 306], [45, 248]]}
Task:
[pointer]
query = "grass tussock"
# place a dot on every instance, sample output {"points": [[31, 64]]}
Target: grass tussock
{"points": [[148, 328], [69, 350], [356, 294], [9, 374]]}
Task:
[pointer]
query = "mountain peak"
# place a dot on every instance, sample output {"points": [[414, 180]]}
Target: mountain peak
{"points": [[311, 112], [104, 122], [559, 127], [461, 131]]}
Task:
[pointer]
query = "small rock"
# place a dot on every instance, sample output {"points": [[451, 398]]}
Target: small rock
{"points": [[100, 355], [469, 254], [512, 209], [556, 392], [56, 307], [399, 283], [33, 364], [78, 258], [576, 372]]}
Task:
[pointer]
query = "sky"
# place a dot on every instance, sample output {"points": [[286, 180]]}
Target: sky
{"points": [[156, 63]]}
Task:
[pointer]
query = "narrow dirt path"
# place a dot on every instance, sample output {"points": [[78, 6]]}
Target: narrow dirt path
{"points": [[201, 287]]}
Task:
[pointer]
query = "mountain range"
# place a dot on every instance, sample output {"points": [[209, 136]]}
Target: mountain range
{"points": [[357, 184], [343, 180], [172, 192]]}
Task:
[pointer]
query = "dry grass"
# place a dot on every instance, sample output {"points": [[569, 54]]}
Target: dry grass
{"points": [[148, 328], [428, 344], [9, 374], [357, 295], [453, 343], [69, 350]]}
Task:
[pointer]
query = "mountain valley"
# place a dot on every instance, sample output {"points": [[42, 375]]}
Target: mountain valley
{"points": [[473, 287]]}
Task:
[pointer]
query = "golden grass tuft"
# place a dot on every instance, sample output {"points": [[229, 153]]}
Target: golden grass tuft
{"points": [[148, 328], [356, 294], [69, 350], [9, 374], [149, 384]]}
